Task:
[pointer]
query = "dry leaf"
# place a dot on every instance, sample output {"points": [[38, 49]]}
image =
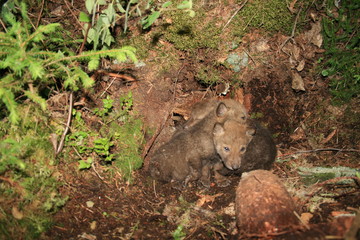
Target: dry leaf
{"points": [[206, 198], [298, 134], [297, 82], [16, 213], [300, 66], [292, 6], [314, 34], [296, 52], [306, 217]]}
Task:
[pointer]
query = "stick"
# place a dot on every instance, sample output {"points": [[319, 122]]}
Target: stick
{"points": [[62, 140], [320, 150], [292, 32], [236, 12]]}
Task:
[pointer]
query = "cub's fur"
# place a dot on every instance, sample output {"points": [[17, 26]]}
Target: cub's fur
{"points": [[190, 153], [234, 110], [260, 152]]}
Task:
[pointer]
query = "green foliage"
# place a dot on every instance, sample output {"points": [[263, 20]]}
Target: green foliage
{"points": [[108, 105], [341, 42], [99, 25], [30, 67], [119, 141], [179, 233], [28, 183]]}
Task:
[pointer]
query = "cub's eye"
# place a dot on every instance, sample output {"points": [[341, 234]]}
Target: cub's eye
{"points": [[242, 149], [227, 149], [243, 117]]}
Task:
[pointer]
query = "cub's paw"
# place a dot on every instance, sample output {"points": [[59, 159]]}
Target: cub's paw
{"points": [[223, 182]]}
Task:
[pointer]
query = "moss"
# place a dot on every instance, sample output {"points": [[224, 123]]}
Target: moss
{"points": [[272, 16], [187, 33], [26, 155], [129, 138], [208, 75]]}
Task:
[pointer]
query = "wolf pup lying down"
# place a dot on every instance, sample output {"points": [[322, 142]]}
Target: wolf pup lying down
{"points": [[190, 153]]}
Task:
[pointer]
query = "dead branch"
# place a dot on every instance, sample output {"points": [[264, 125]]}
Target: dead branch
{"points": [[292, 32], [62, 140], [333, 180], [320, 150], [236, 12]]}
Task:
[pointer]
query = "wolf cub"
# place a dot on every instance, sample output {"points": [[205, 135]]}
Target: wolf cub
{"points": [[190, 153], [238, 157]]}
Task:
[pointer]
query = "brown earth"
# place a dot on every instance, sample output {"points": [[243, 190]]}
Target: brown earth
{"points": [[298, 118]]}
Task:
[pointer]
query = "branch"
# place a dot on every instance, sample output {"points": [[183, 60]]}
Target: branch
{"points": [[62, 140]]}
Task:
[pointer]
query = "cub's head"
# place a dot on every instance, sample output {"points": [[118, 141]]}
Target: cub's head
{"points": [[231, 109], [231, 140]]}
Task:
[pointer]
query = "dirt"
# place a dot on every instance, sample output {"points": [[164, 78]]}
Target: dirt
{"points": [[146, 209]]}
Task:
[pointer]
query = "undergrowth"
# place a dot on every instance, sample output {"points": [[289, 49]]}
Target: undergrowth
{"points": [[35, 64], [341, 42], [28, 179], [118, 142]]}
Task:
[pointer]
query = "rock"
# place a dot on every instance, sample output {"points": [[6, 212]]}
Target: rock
{"points": [[262, 205]]}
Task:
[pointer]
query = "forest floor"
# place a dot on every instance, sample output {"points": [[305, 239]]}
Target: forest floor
{"points": [[279, 87]]}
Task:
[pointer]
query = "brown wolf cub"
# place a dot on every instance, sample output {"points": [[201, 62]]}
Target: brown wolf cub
{"points": [[242, 150], [190, 153]]}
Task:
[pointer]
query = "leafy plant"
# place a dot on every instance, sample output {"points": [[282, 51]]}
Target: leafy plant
{"points": [[30, 67], [341, 41], [107, 106], [119, 140], [98, 25]]}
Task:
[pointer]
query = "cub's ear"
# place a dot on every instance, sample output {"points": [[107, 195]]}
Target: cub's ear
{"points": [[251, 132], [221, 110], [218, 129]]}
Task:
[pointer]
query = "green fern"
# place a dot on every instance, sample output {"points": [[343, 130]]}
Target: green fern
{"points": [[30, 66]]}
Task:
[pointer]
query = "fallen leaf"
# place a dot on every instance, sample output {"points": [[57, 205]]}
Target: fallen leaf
{"points": [[300, 66], [292, 6], [93, 225], [206, 198], [298, 134], [297, 82], [17, 214], [306, 217], [314, 34], [90, 204]]}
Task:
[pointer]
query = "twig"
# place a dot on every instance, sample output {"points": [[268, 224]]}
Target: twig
{"points": [[333, 180], [320, 150], [94, 168], [62, 140], [154, 186], [236, 12], [292, 32], [252, 59], [40, 13], [107, 88], [302, 222], [3, 25], [85, 39], [72, 12]]}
